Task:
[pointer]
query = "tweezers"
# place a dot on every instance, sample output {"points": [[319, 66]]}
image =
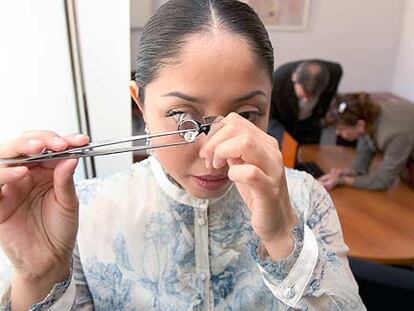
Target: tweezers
{"points": [[196, 129]]}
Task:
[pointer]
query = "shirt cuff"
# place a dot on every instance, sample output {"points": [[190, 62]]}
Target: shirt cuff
{"points": [[61, 297], [280, 268], [288, 278], [5, 299]]}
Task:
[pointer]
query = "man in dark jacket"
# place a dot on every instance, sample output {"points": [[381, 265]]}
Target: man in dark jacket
{"points": [[302, 93]]}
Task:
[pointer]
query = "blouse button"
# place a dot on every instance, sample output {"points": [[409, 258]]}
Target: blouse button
{"points": [[203, 276], [201, 221], [289, 293]]}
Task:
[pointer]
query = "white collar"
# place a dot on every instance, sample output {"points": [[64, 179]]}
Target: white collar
{"points": [[175, 192]]}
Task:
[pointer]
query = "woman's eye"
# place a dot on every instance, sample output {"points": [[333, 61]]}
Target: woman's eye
{"points": [[251, 115], [174, 113], [180, 115]]}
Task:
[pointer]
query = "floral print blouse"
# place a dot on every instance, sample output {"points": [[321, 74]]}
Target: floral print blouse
{"points": [[145, 244]]}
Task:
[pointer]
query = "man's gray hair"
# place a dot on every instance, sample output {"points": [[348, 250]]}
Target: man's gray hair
{"points": [[313, 77]]}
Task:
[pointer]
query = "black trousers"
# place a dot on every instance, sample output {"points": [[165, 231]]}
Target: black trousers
{"points": [[383, 287], [309, 131]]}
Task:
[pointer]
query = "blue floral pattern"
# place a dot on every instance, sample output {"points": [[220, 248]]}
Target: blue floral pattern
{"points": [[141, 247]]}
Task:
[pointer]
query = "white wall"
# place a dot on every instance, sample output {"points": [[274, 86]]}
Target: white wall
{"points": [[362, 35], [404, 72], [105, 47], [36, 86]]}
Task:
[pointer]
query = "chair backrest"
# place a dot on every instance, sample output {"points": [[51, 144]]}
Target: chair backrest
{"points": [[289, 150]]}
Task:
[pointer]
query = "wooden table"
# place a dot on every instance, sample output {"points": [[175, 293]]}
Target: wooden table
{"points": [[377, 226]]}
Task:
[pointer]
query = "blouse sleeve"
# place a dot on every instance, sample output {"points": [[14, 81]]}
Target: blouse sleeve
{"points": [[364, 156], [396, 156], [72, 294], [83, 298], [317, 277]]}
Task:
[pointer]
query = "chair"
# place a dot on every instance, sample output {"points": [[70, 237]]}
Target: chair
{"points": [[383, 287]]}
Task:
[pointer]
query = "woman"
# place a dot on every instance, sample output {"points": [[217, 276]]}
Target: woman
{"points": [[218, 224], [386, 129]]}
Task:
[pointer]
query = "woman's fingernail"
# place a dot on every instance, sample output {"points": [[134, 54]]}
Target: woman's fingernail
{"points": [[80, 136], [217, 164]]}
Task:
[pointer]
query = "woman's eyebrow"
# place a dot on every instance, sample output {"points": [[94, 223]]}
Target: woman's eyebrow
{"points": [[250, 95], [197, 100], [183, 96]]}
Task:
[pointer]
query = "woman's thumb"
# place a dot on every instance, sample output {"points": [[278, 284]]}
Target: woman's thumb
{"points": [[63, 183]]}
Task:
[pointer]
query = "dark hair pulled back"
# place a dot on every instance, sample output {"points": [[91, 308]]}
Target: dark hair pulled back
{"points": [[166, 32]]}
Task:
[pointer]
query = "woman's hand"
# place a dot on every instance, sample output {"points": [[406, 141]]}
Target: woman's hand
{"points": [[330, 180], [256, 166], [342, 172], [38, 214], [337, 177]]}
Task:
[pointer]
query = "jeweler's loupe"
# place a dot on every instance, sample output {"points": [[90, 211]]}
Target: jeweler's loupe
{"points": [[195, 128]]}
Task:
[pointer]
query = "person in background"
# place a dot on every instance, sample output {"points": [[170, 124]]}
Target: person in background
{"points": [[387, 129], [218, 224], [302, 93]]}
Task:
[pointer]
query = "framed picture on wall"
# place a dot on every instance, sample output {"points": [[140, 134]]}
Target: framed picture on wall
{"points": [[275, 14], [282, 14]]}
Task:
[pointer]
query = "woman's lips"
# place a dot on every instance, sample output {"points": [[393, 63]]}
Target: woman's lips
{"points": [[211, 182]]}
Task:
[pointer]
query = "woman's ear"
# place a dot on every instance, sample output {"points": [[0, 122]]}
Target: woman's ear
{"points": [[294, 77], [133, 91]]}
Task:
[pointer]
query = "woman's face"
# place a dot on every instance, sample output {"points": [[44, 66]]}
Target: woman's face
{"points": [[351, 133], [215, 74]]}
